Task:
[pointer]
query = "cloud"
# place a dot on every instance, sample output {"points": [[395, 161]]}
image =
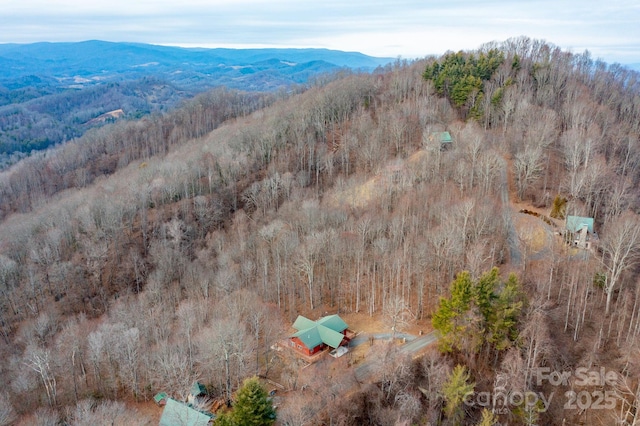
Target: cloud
{"points": [[409, 28]]}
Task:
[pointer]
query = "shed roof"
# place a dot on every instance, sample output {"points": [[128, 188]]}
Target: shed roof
{"points": [[198, 389], [443, 137], [159, 397], [576, 223], [327, 330], [178, 413]]}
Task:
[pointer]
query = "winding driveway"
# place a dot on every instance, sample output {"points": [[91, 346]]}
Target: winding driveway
{"points": [[515, 255], [415, 344]]}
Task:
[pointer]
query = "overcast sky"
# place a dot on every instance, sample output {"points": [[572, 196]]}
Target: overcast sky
{"points": [[610, 29]]}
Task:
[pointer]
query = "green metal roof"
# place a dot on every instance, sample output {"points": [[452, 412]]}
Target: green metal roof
{"points": [[576, 223], [198, 389], [310, 337], [177, 413], [334, 322], [330, 337], [303, 323], [327, 330], [443, 137], [159, 397]]}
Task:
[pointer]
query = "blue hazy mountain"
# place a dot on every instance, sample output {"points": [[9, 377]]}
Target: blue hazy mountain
{"points": [[52, 92], [105, 60]]}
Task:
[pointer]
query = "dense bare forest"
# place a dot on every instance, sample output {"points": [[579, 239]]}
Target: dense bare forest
{"points": [[51, 93], [180, 247]]}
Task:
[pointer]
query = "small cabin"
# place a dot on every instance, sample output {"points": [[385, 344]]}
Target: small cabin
{"points": [[443, 140], [198, 389], [198, 395], [580, 231], [161, 399]]}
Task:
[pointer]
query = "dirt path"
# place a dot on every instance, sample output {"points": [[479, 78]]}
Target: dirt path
{"points": [[515, 255]]}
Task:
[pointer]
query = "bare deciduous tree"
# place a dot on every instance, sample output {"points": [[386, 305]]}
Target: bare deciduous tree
{"points": [[89, 413], [306, 263], [170, 368], [7, 412], [528, 167], [129, 359], [69, 344], [299, 410], [45, 416], [397, 310], [621, 247], [227, 347], [536, 340], [188, 320], [40, 360]]}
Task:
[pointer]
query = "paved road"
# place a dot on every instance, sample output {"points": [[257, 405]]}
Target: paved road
{"points": [[419, 343], [515, 255], [415, 344], [362, 338], [363, 371]]}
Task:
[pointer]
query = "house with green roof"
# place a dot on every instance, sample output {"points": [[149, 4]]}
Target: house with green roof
{"points": [[177, 413], [198, 389], [311, 337], [576, 223], [197, 394], [579, 230], [443, 139], [161, 398]]}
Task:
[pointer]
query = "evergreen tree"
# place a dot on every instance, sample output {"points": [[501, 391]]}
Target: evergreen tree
{"points": [[484, 313], [253, 406], [454, 391], [488, 418], [449, 317], [224, 419], [529, 414], [506, 311], [460, 77], [485, 295]]}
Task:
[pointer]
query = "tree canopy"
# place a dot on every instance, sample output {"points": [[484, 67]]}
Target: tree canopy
{"points": [[482, 312], [252, 407], [460, 76], [454, 391]]}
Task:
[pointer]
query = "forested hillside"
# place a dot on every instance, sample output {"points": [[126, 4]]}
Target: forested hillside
{"points": [[51, 93], [147, 255]]}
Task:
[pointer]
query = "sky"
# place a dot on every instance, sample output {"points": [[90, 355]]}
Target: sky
{"points": [[609, 29]]}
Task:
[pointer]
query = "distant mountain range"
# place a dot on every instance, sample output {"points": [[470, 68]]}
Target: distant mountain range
{"points": [[52, 92], [90, 62]]}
